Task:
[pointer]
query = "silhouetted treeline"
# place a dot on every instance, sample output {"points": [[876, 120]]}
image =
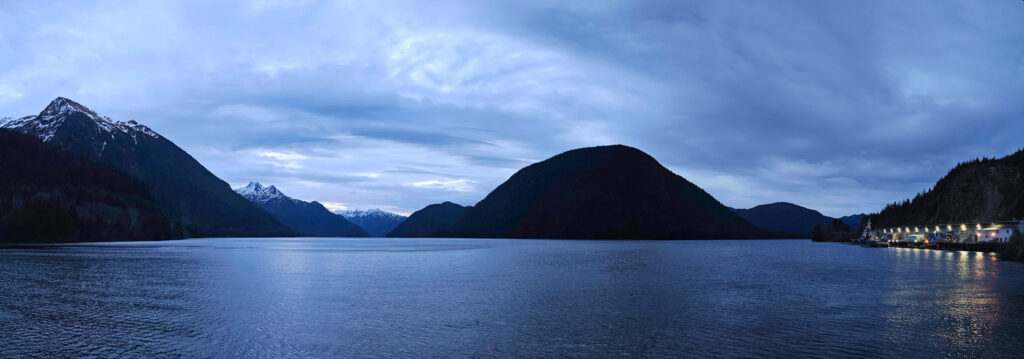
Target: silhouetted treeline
{"points": [[978, 190], [47, 195], [837, 231]]}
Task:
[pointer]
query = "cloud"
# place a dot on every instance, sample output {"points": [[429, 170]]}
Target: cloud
{"points": [[334, 206], [283, 156], [837, 106], [457, 185], [8, 94], [286, 160]]}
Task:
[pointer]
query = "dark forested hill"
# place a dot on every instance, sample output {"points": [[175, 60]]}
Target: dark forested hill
{"points": [[975, 191], [603, 193], [430, 221], [48, 195], [854, 221], [783, 217], [194, 199]]}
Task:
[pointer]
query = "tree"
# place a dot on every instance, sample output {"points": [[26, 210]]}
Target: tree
{"points": [[818, 235]]}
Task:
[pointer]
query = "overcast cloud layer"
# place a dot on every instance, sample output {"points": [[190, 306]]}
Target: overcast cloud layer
{"points": [[841, 106]]}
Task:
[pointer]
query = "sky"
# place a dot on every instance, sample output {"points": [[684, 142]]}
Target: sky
{"points": [[839, 106]]}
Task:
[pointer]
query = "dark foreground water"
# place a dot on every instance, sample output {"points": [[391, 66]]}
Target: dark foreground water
{"points": [[506, 298]]}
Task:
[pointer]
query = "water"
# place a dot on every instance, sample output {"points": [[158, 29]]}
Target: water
{"points": [[505, 298]]}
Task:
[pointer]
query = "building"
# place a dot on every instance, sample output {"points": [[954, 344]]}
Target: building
{"points": [[956, 233]]}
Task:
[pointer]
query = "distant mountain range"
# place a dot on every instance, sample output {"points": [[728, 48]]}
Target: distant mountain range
{"points": [[980, 190], [375, 221], [48, 195], [607, 192], [431, 221], [124, 181], [307, 218], [197, 203], [788, 218]]}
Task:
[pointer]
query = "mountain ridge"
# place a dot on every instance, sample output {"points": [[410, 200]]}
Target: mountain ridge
{"points": [[51, 196], [979, 190], [197, 202], [431, 221], [784, 218], [376, 221], [308, 218], [604, 192]]}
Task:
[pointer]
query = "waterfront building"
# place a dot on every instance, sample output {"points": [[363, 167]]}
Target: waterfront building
{"points": [[955, 233]]}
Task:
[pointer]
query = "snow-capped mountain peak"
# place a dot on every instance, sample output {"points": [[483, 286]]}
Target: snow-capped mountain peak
{"points": [[62, 107], [376, 221], [61, 110], [310, 218], [366, 213], [256, 192]]}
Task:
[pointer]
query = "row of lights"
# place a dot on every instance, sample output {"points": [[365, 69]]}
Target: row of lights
{"points": [[963, 227]]}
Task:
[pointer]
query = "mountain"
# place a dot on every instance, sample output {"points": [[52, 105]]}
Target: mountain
{"points": [[607, 192], [198, 203], [308, 218], [430, 221], [375, 221], [853, 221], [48, 195], [980, 190], [783, 217]]}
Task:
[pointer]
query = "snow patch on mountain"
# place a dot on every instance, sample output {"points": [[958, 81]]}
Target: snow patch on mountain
{"points": [[356, 213], [49, 122], [61, 107], [256, 192], [375, 221]]}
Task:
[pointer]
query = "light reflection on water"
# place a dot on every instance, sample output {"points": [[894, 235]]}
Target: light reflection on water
{"points": [[506, 298], [950, 291]]}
